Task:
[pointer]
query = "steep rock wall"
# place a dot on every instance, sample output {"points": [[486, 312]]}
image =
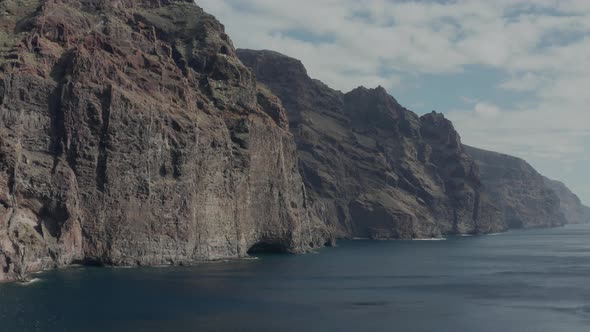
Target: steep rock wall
{"points": [[569, 203], [131, 134], [519, 190], [373, 168]]}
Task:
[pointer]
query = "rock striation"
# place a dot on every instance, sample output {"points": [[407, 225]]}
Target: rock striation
{"points": [[373, 168], [131, 134], [569, 203], [522, 193]]}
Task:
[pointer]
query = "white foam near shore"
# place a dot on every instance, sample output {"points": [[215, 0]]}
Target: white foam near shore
{"points": [[393, 239], [30, 282]]}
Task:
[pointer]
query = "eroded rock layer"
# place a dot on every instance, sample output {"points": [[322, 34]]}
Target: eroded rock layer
{"points": [[373, 168], [521, 192], [130, 133]]}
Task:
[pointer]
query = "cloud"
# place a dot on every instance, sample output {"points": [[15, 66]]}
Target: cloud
{"points": [[524, 82], [532, 134], [541, 48], [423, 36], [486, 110]]}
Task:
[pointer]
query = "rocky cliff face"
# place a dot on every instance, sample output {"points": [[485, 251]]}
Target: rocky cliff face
{"points": [[519, 189], [569, 203], [130, 133], [373, 168]]}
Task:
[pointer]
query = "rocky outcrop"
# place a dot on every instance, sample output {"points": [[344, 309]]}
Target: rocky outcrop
{"points": [[569, 203], [131, 134], [373, 168], [519, 189]]}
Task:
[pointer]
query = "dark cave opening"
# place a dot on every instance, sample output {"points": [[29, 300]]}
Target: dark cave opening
{"points": [[264, 247], [90, 262]]}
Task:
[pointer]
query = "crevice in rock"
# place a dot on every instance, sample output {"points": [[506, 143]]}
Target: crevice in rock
{"points": [[2, 91], [179, 60], [39, 229], [4, 204], [6, 265], [101, 165], [177, 162], [58, 129], [12, 185]]}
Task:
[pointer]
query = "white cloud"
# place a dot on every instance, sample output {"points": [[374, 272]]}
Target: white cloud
{"points": [[487, 110], [524, 82]]}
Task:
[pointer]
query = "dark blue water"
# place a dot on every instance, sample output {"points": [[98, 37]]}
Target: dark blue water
{"points": [[521, 281]]}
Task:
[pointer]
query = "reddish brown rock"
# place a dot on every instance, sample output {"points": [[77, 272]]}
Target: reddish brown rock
{"points": [[131, 134]]}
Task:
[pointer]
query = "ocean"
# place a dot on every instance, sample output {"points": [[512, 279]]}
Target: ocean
{"points": [[535, 280]]}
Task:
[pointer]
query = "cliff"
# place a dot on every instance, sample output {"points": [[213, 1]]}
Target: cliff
{"points": [[373, 168], [569, 203], [131, 134], [519, 190]]}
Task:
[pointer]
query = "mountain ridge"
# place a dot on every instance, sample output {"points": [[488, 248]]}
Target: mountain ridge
{"points": [[269, 68], [374, 168]]}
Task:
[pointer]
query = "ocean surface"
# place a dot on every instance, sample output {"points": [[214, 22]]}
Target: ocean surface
{"points": [[520, 281]]}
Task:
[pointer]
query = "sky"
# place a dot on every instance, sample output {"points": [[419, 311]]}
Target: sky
{"points": [[512, 75]]}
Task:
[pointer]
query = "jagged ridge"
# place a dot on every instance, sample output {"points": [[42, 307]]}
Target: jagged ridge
{"points": [[373, 168]]}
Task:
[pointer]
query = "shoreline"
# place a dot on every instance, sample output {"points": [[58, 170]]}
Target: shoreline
{"points": [[33, 280]]}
